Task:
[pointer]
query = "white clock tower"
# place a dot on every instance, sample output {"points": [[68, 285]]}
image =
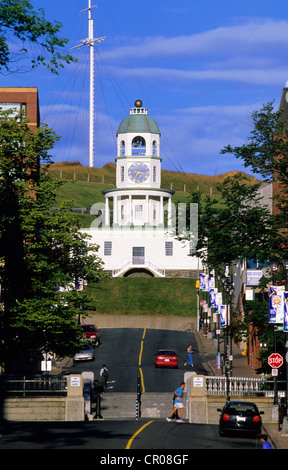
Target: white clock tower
{"points": [[138, 199], [140, 239]]}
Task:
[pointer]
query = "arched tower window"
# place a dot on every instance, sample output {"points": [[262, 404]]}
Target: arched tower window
{"points": [[122, 148], [154, 149], [138, 146]]}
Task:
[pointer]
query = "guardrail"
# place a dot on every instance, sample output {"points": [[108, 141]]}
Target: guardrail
{"points": [[23, 385], [237, 385], [242, 386]]}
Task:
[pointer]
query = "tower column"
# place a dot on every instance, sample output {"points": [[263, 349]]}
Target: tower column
{"points": [[147, 209], [161, 210], [169, 212], [107, 218], [130, 210], [115, 211]]}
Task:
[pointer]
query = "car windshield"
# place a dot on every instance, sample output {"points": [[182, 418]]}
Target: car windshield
{"points": [[243, 408], [166, 353], [85, 346]]}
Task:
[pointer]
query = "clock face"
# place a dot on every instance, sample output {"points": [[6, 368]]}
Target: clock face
{"points": [[138, 172]]}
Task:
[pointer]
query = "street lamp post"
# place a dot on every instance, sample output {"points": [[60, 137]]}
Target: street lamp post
{"points": [[273, 263], [226, 289]]}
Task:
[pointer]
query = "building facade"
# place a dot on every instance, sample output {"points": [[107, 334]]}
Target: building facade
{"points": [[137, 228], [23, 99]]}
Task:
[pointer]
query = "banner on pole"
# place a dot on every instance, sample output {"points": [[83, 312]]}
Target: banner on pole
{"points": [[276, 299]]}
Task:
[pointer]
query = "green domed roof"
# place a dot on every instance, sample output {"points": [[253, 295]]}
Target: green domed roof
{"points": [[138, 123]]}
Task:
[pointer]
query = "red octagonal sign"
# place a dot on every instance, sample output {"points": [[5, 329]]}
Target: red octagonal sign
{"points": [[275, 360]]}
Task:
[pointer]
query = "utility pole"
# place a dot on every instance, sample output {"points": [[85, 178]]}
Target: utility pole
{"points": [[90, 41]]}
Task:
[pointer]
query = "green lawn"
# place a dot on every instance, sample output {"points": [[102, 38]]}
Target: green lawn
{"points": [[145, 296]]}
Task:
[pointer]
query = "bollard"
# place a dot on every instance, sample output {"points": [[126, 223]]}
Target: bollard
{"points": [[97, 390], [138, 400]]}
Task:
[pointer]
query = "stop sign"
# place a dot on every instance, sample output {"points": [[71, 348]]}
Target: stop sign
{"points": [[275, 360]]}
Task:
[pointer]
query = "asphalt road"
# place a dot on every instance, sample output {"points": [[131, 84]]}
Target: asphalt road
{"points": [[142, 435], [124, 351]]}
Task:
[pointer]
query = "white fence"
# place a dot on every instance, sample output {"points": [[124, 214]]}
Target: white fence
{"points": [[237, 385]]}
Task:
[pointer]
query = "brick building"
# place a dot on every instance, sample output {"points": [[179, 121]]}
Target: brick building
{"points": [[22, 99]]}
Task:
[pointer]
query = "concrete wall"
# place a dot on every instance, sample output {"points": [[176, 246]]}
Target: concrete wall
{"points": [[144, 321], [198, 409], [34, 409]]}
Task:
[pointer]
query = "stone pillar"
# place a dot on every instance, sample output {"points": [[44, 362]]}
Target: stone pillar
{"points": [[75, 399], [197, 406]]}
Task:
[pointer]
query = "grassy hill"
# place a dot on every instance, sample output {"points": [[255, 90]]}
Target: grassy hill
{"points": [[145, 296], [85, 185], [134, 296]]}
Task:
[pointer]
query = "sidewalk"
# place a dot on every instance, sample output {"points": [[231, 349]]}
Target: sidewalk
{"points": [[208, 349]]}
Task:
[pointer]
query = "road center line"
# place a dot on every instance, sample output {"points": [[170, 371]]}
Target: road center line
{"points": [[140, 359], [136, 434], [142, 380]]}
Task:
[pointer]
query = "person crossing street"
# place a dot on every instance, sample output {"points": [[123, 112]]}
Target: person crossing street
{"points": [[178, 404]]}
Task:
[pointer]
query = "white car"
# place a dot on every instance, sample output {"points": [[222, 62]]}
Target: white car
{"points": [[86, 353]]}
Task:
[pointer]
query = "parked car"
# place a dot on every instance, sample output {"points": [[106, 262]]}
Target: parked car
{"points": [[91, 332], [240, 416], [86, 353], [166, 358]]}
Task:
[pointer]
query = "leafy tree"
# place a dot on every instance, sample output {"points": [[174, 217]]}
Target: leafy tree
{"points": [[23, 30], [44, 254], [266, 154], [236, 226]]}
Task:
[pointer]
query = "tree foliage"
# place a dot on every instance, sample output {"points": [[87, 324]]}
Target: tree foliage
{"points": [[26, 31], [236, 226], [45, 257]]}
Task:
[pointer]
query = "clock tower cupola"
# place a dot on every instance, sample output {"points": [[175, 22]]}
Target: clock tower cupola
{"points": [[138, 150]]}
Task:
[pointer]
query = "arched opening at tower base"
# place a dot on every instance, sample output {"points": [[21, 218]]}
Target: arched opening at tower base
{"points": [[138, 272]]}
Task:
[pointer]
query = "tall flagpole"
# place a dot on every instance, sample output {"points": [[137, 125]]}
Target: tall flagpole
{"points": [[90, 41]]}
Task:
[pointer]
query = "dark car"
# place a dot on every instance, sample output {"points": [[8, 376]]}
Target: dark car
{"points": [[91, 332], [166, 358], [240, 416]]}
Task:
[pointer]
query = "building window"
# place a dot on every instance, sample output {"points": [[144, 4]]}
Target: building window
{"points": [[122, 212], [154, 213], [15, 107], [138, 146], [107, 248], [154, 148], [169, 248], [154, 174], [122, 148], [122, 173], [192, 249], [138, 255], [138, 211]]}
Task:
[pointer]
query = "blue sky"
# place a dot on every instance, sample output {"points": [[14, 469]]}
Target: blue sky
{"points": [[199, 67]]}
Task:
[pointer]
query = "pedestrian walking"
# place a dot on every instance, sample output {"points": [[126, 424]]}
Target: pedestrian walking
{"points": [[104, 375], [178, 404], [189, 361], [265, 443]]}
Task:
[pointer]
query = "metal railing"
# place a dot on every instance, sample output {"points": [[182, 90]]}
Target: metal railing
{"points": [[23, 385], [237, 385]]}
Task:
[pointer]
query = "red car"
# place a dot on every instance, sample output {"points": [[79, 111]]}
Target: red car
{"points": [[167, 358], [91, 332]]}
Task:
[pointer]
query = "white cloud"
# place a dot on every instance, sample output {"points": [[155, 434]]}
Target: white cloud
{"points": [[257, 34]]}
